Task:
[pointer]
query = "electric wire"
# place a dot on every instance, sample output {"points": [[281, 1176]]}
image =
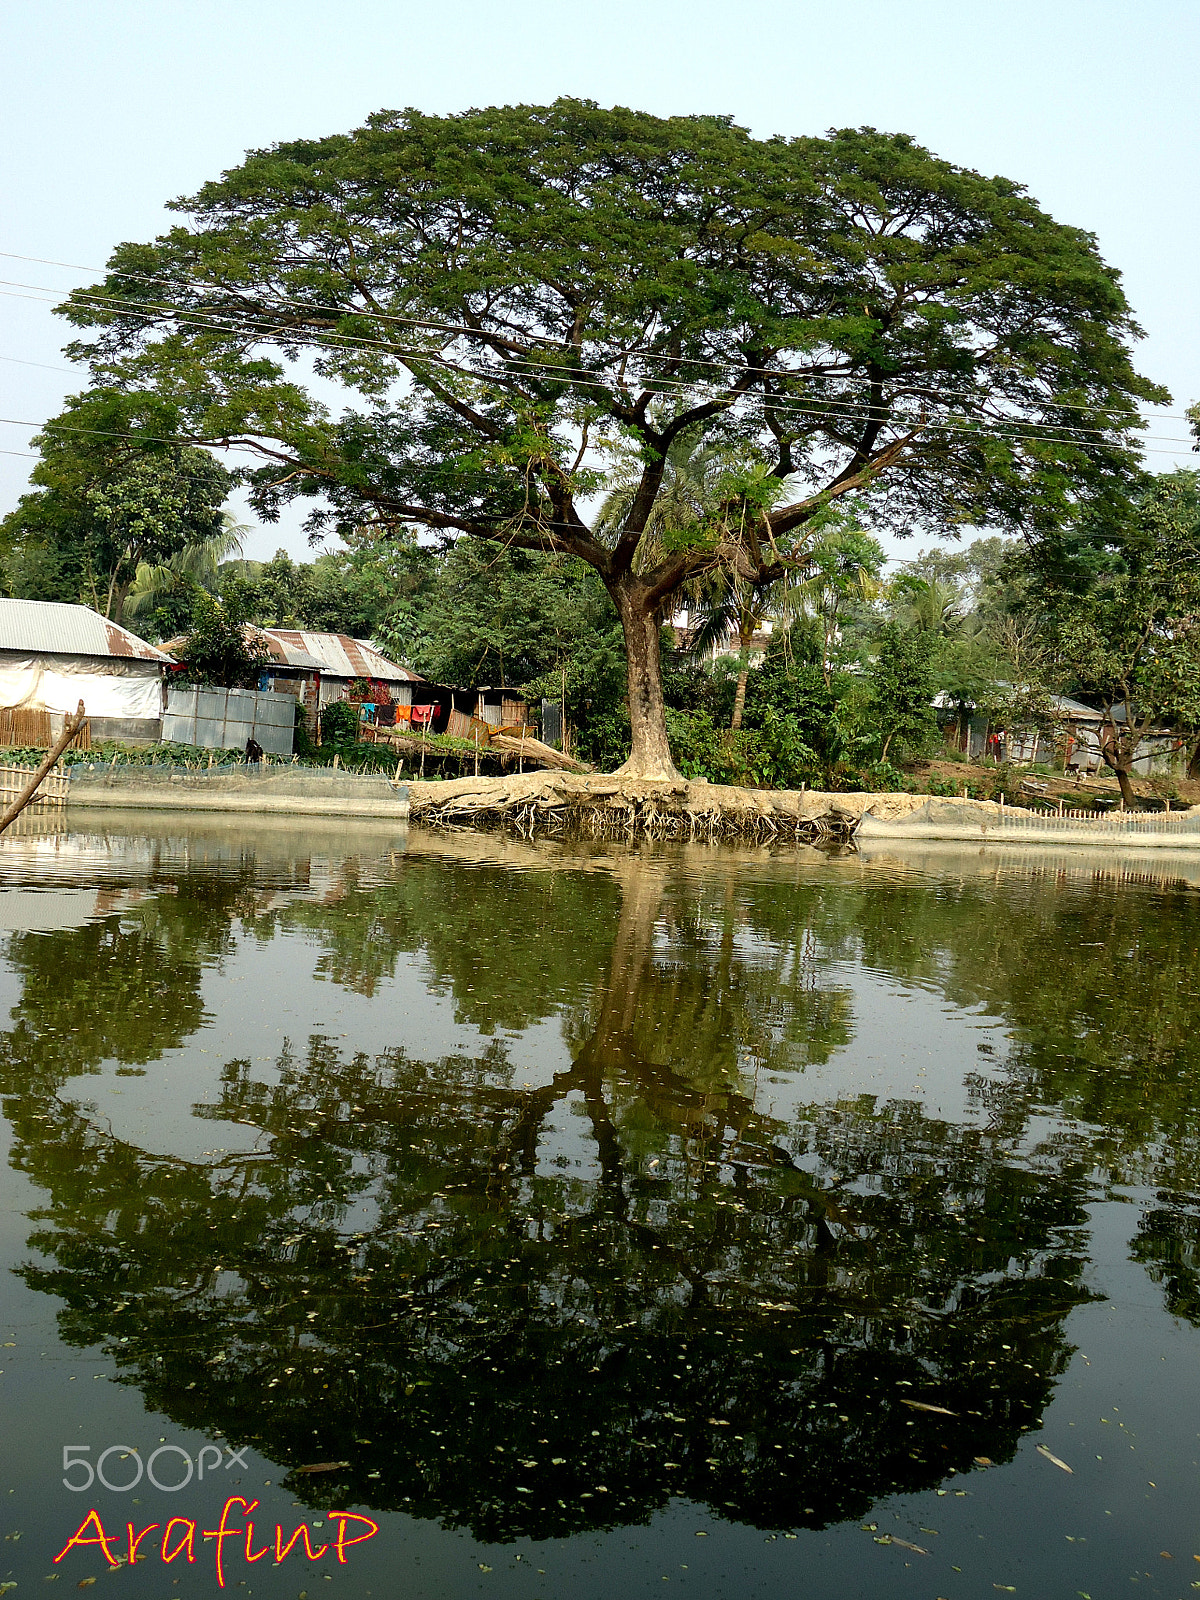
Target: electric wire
{"points": [[475, 333], [264, 329], [44, 366], [268, 328]]}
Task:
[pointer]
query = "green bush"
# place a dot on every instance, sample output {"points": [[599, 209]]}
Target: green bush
{"points": [[603, 737], [339, 723], [773, 755], [881, 777]]}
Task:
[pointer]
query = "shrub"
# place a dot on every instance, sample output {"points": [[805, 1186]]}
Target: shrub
{"points": [[218, 649], [881, 777], [339, 723], [773, 755]]}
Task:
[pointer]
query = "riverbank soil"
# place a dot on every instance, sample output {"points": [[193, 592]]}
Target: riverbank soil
{"points": [[1059, 786], [597, 806]]}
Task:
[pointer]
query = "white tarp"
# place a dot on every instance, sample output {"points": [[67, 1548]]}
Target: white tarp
{"points": [[39, 683]]}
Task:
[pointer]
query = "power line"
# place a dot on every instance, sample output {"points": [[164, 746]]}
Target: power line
{"points": [[264, 329], [268, 328], [482, 334], [251, 449], [134, 435], [18, 361]]}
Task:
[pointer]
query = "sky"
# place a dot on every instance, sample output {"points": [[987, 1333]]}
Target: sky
{"points": [[107, 111]]}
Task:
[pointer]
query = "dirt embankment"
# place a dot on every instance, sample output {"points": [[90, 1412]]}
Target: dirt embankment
{"points": [[614, 807], [1059, 786]]}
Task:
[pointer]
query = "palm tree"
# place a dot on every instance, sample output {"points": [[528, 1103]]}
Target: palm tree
{"points": [[690, 496], [195, 566], [844, 568], [703, 486], [932, 606], [730, 609]]}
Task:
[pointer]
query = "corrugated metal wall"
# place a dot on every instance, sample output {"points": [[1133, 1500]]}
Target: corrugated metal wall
{"points": [[224, 719]]}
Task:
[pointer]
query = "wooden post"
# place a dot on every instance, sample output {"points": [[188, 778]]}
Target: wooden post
{"points": [[476, 732], [424, 732], [71, 726]]}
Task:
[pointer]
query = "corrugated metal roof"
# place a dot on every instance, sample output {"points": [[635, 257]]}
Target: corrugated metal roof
{"points": [[1066, 707], [283, 654], [287, 654], [46, 627], [343, 657]]}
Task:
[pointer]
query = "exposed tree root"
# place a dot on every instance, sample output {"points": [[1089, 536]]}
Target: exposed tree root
{"points": [[563, 805]]}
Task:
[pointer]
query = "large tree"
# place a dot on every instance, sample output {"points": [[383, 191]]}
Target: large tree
{"points": [[509, 298], [1121, 612], [109, 501]]}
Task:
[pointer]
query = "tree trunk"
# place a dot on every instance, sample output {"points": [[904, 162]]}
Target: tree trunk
{"points": [[739, 698], [650, 753], [1128, 798], [1117, 749]]}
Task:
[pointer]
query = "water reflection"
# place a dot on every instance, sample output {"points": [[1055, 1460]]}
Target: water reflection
{"points": [[531, 1310]]}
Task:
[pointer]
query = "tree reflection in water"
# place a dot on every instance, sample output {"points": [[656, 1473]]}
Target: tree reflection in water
{"points": [[531, 1311]]}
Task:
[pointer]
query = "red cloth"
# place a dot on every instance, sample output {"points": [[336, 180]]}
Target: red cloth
{"points": [[423, 714]]}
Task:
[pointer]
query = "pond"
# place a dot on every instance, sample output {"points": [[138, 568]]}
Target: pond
{"points": [[529, 1220]]}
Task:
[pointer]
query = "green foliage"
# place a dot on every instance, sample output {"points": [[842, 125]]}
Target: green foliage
{"points": [[822, 284], [882, 777], [339, 723], [842, 574], [509, 617], [801, 689], [105, 502], [901, 681], [106, 752], [218, 649], [833, 232], [374, 589], [1121, 601], [773, 755]]}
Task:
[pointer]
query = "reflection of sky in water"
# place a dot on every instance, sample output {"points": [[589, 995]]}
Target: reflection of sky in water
{"points": [[264, 996]]}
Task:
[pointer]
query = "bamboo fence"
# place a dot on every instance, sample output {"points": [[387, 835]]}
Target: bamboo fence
{"points": [[53, 790], [32, 730]]}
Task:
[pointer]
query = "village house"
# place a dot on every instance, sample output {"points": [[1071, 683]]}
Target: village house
{"points": [[53, 655], [343, 662], [286, 668], [1075, 739]]}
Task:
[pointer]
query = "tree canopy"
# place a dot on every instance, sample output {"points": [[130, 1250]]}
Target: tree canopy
{"points": [[1121, 603], [105, 502], [506, 298]]}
